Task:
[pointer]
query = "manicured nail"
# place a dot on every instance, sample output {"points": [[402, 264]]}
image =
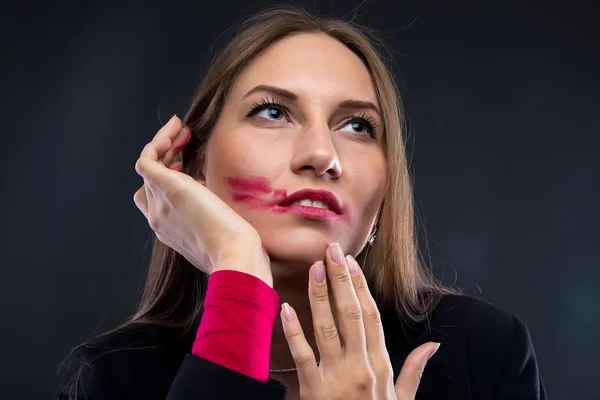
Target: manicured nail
{"points": [[352, 265], [288, 313], [319, 272], [336, 253], [433, 350]]}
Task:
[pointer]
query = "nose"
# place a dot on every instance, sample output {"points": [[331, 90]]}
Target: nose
{"points": [[315, 153]]}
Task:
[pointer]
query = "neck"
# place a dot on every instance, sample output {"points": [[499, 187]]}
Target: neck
{"points": [[290, 281]]}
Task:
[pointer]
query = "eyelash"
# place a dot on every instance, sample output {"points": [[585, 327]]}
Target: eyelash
{"points": [[362, 117], [266, 103]]}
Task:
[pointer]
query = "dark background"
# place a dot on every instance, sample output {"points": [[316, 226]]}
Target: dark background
{"points": [[504, 134]]}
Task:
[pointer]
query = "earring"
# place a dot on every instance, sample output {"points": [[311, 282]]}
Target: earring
{"points": [[372, 237]]}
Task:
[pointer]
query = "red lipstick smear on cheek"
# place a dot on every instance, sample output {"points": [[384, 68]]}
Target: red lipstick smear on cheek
{"points": [[255, 191]]}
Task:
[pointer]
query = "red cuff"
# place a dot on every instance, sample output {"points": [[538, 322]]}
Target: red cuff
{"points": [[237, 323]]}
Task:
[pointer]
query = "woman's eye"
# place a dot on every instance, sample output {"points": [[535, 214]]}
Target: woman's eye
{"points": [[271, 113], [357, 127]]}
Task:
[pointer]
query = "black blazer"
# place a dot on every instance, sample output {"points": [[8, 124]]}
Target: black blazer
{"points": [[485, 353]]}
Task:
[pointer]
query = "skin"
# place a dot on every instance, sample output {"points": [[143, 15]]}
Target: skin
{"points": [[315, 146]]}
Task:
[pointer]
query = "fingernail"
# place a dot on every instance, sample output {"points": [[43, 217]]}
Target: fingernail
{"points": [[336, 253], [319, 272], [288, 313], [352, 265], [432, 352]]}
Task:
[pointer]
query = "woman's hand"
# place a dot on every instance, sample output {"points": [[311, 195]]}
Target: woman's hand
{"points": [[188, 217], [361, 368]]}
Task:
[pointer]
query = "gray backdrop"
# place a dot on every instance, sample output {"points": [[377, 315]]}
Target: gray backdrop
{"points": [[502, 105]]}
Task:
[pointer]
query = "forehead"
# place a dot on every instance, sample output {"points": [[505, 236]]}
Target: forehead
{"points": [[314, 66]]}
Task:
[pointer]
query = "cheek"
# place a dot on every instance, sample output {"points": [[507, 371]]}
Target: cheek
{"points": [[235, 154], [368, 187]]}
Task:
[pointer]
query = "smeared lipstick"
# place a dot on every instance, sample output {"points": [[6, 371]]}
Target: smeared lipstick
{"points": [[256, 192], [250, 184]]}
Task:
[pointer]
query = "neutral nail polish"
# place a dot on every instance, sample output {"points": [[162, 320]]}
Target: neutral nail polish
{"points": [[319, 272], [336, 253], [352, 265], [433, 351], [288, 313]]}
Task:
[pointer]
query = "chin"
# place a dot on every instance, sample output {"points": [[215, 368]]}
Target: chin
{"points": [[300, 246]]}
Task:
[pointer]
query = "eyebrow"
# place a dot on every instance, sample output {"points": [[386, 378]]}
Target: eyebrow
{"points": [[286, 94]]}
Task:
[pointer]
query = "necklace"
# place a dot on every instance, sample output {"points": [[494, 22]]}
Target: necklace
{"points": [[272, 371]]}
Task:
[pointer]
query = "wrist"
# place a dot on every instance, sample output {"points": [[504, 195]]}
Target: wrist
{"points": [[247, 258]]}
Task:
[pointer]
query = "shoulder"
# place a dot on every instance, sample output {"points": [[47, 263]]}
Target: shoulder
{"points": [[485, 328], [485, 351], [132, 360], [499, 349], [476, 317], [461, 317]]}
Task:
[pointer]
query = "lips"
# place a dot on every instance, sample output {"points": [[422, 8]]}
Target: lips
{"points": [[326, 197]]}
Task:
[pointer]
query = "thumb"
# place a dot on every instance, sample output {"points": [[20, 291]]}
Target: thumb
{"points": [[410, 375]]}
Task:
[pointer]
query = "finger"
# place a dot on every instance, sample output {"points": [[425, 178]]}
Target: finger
{"points": [[152, 171], [179, 142], [349, 314], [170, 129], [302, 353], [141, 200], [326, 332], [410, 375], [374, 334], [176, 166], [156, 149]]}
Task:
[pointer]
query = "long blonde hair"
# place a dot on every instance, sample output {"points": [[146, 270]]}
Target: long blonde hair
{"points": [[174, 291]]}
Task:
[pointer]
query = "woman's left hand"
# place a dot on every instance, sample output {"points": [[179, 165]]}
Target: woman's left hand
{"points": [[361, 368]]}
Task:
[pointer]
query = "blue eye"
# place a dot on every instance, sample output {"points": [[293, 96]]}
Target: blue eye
{"points": [[270, 109], [361, 123], [270, 113], [358, 127]]}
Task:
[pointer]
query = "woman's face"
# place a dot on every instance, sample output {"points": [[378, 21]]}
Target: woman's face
{"points": [[302, 116]]}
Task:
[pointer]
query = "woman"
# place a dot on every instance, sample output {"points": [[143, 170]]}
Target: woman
{"points": [[293, 176]]}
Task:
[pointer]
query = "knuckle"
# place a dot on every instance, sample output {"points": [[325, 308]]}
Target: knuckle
{"points": [[153, 221], [365, 379], [139, 166], [293, 334], [414, 371], [384, 372], [321, 296], [373, 314], [137, 197], [341, 276], [148, 145], [328, 331], [352, 312], [361, 285], [303, 359]]}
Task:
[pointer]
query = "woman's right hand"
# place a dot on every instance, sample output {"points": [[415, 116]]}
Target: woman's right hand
{"points": [[188, 217]]}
